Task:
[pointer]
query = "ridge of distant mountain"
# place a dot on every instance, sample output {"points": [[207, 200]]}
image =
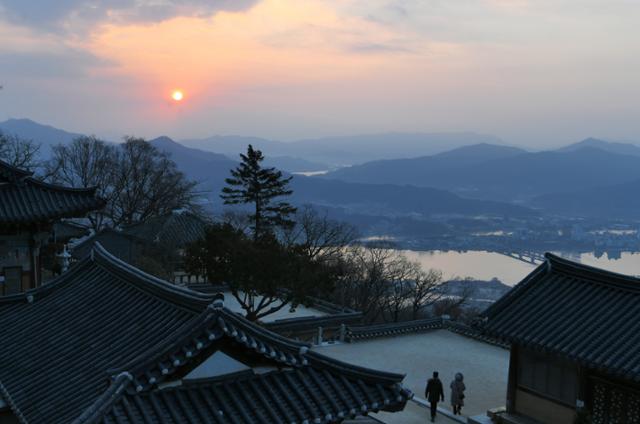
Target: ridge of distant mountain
{"points": [[347, 150], [390, 200], [608, 146], [233, 145], [515, 177], [414, 170], [293, 164], [45, 135], [207, 168], [619, 201], [211, 169]]}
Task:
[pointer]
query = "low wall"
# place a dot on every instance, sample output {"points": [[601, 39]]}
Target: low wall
{"points": [[356, 333]]}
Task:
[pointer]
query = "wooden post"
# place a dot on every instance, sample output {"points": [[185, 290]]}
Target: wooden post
{"points": [[343, 331], [319, 337], [582, 392], [513, 379]]}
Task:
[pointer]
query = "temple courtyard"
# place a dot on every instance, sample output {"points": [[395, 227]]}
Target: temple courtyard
{"points": [[484, 366]]}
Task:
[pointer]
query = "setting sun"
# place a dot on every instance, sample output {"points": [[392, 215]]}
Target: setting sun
{"points": [[177, 95]]}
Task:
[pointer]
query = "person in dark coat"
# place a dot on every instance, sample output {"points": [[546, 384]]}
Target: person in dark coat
{"points": [[434, 394]]}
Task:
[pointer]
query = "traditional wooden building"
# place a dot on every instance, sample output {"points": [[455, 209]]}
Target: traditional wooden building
{"points": [[162, 239], [28, 209], [107, 343], [574, 332]]}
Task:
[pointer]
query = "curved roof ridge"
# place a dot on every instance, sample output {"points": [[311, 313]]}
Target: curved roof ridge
{"points": [[178, 340], [14, 408], [179, 352], [577, 269], [520, 287], [165, 290], [47, 287], [107, 230], [265, 332], [357, 371], [183, 351], [97, 409], [13, 171], [36, 181]]}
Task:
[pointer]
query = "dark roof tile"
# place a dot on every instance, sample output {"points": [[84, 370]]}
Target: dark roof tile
{"points": [[583, 313], [95, 344], [24, 199]]}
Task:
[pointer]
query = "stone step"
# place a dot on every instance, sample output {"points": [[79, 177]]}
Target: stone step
{"points": [[479, 419]]}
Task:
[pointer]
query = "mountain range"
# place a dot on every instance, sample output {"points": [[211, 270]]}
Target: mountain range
{"points": [[346, 150], [592, 178], [502, 173], [614, 201], [608, 146], [211, 169]]}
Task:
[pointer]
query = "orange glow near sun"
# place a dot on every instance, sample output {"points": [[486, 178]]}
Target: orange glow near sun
{"points": [[177, 95]]}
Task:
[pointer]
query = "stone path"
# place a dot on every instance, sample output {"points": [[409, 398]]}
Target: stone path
{"points": [[484, 366]]}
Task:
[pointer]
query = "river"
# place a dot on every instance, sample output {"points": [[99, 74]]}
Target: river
{"points": [[483, 265]]}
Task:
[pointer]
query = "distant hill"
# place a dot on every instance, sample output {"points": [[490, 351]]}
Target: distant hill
{"points": [[393, 200], [615, 201], [233, 145], [607, 146], [515, 177], [211, 169], [346, 150], [45, 135], [207, 168], [420, 171], [277, 153], [292, 164]]}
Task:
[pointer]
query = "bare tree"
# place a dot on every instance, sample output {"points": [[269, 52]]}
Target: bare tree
{"points": [[384, 285], [400, 274], [19, 152], [425, 290], [318, 236], [147, 183], [363, 286], [452, 304], [136, 180], [85, 162]]}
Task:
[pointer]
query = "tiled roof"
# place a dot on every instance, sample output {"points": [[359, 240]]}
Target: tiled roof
{"points": [[123, 246], [176, 229], [579, 312], [95, 344], [280, 396], [25, 199]]}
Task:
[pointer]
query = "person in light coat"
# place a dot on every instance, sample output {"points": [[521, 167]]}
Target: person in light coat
{"points": [[457, 393]]}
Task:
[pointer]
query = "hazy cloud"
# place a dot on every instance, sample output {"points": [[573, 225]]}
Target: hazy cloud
{"points": [[373, 48], [73, 15], [67, 63]]}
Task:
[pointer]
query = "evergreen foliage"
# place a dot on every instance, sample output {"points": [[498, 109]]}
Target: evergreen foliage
{"points": [[251, 183]]}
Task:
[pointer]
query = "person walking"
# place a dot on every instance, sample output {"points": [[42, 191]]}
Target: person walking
{"points": [[457, 393], [434, 394]]}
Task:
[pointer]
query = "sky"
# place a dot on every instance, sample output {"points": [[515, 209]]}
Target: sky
{"points": [[534, 72]]}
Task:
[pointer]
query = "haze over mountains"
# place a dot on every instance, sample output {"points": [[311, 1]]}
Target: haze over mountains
{"points": [[211, 169], [501, 173], [347, 150], [592, 178]]}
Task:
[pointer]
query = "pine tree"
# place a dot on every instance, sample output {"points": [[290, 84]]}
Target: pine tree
{"points": [[251, 183]]}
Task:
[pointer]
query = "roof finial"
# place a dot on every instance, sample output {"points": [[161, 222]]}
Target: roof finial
{"points": [[218, 301]]}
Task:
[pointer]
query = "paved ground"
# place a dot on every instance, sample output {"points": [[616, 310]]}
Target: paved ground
{"points": [[484, 366], [412, 414]]}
